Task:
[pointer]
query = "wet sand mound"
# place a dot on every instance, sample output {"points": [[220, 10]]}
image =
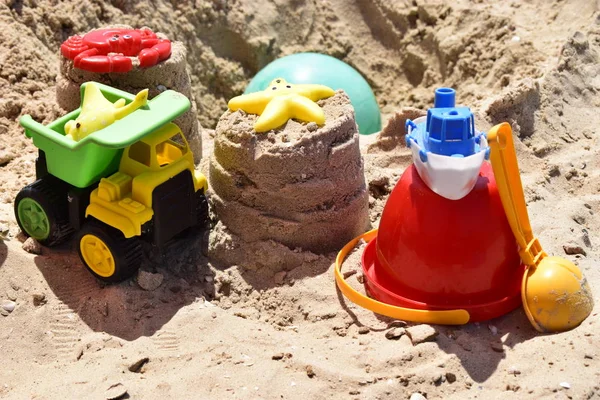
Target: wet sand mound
{"points": [[301, 185]]}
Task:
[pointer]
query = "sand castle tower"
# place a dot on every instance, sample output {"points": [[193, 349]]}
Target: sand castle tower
{"points": [[131, 60], [300, 184]]}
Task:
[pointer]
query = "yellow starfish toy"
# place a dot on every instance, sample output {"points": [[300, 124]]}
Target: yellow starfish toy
{"points": [[282, 101], [97, 112]]}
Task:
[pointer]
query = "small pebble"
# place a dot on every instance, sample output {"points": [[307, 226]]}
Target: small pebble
{"points": [[421, 333], [395, 333], [417, 396], [104, 309], [149, 281], [465, 341], [493, 329], [115, 391], [565, 385], [497, 347], [572, 249], [450, 377], [78, 353], [137, 366], [396, 324], [32, 246], [11, 294], [514, 370], [175, 288], [6, 156], [363, 330], [4, 231], [553, 170], [279, 277], [586, 238], [8, 305], [312, 126], [513, 387], [309, 371], [349, 273], [277, 356]]}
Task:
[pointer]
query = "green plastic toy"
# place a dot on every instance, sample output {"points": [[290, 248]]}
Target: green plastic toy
{"points": [[126, 176], [329, 71], [84, 162]]}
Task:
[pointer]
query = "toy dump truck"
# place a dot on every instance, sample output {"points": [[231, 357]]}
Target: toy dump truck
{"points": [[132, 180]]}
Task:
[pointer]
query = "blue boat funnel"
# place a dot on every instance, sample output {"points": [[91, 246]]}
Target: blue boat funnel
{"points": [[444, 98]]}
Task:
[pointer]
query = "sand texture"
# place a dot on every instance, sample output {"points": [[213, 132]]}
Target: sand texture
{"points": [[167, 74], [190, 326], [300, 185]]}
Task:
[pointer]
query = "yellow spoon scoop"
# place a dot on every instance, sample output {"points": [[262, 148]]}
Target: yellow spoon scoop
{"points": [[556, 296]]}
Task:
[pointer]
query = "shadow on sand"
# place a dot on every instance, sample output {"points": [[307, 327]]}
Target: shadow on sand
{"points": [[125, 310], [479, 350], [3, 253]]}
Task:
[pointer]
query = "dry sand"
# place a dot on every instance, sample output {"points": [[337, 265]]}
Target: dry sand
{"points": [[230, 332]]}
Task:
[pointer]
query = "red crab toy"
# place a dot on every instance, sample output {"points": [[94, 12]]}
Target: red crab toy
{"points": [[110, 50]]}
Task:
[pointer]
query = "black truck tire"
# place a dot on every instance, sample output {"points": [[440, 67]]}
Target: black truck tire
{"points": [[106, 253], [201, 209], [42, 211]]}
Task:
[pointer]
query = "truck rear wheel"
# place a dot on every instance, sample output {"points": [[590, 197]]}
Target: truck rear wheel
{"points": [[106, 253], [41, 210]]}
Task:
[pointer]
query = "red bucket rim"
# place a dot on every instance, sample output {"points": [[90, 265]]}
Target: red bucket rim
{"points": [[478, 312]]}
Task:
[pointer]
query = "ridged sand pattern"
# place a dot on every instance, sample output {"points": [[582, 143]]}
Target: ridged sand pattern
{"points": [[63, 327], [69, 312], [64, 333], [168, 74], [166, 341], [300, 185]]}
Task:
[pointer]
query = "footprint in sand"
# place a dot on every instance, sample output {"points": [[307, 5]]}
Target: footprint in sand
{"points": [[167, 341], [64, 331], [65, 321]]}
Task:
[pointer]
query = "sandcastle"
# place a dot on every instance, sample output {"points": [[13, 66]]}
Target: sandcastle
{"points": [[301, 186], [170, 73]]}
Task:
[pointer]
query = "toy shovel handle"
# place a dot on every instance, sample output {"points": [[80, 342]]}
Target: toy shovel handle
{"points": [[446, 317], [506, 171]]}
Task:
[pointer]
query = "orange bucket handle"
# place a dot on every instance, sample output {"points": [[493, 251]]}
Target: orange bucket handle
{"points": [[446, 317]]}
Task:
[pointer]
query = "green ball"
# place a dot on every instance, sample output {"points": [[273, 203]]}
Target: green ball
{"points": [[329, 71]]}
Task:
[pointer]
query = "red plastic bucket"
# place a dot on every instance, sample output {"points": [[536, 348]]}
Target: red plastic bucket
{"points": [[437, 254]]}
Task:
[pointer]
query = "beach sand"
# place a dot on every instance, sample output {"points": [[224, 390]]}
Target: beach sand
{"points": [[224, 331]]}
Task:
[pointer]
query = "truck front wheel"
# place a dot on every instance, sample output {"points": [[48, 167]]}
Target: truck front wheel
{"points": [[106, 253], [41, 210], [202, 217]]}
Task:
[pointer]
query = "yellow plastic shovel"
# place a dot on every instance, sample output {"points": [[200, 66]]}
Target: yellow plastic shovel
{"points": [[556, 295]]}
